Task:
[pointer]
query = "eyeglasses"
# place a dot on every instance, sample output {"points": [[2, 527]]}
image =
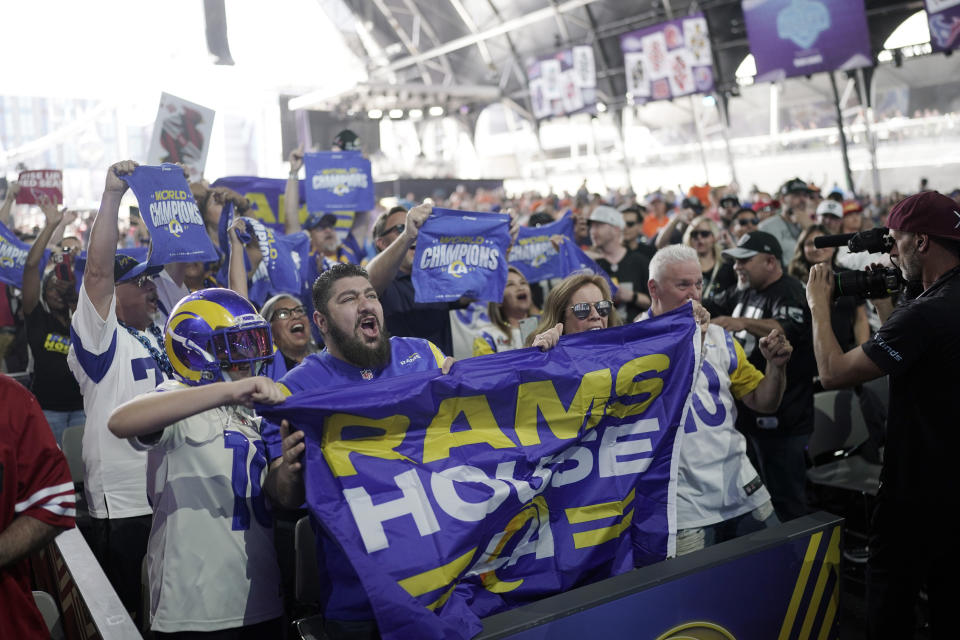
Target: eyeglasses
{"points": [[700, 234], [581, 310], [630, 223], [398, 228], [283, 314], [745, 221]]}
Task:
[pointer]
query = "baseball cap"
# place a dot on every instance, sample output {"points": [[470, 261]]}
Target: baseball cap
{"points": [[927, 212], [733, 200], [693, 202], [126, 268], [830, 208], [347, 140], [852, 206], [766, 205], [795, 185], [751, 244], [608, 215], [318, 220], [539, 218]]}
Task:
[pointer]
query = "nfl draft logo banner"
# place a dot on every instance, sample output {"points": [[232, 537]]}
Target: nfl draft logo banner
{"points": [[338, 180], [668, 60], [171, 215], [13, 257], [563, 84], [516, 476], [800, 37], [461, 254], [48, 182], [534, 255], [943, 16], [181, 134]]}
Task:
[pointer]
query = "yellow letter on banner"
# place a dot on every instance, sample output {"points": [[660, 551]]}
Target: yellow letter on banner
{"points": [[627, 384], [603, 510], [439, 437], [438, 578], [541, 396], [260, 208], [337, 451]]}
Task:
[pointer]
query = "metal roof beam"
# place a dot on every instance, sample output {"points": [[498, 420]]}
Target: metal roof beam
{"points": [[501, 29], [474, 29]]}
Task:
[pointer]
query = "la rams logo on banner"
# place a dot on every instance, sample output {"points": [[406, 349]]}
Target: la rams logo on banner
{"points": [[341, 189], [697, 631], [175, 228], [457, 269]]}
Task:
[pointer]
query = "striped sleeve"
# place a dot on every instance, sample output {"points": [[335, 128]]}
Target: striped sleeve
{"points": [[437, 354], [45, 489], [744, 377]]}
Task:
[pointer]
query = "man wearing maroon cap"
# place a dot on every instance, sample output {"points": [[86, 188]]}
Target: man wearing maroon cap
{"points": [[918, 347]]}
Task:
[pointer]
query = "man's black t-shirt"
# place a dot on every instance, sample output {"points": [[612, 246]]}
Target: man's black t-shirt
{"points": [[633, 267], [717, 282], [919, 346], [409, 319], [53, 384], [784, 301]]}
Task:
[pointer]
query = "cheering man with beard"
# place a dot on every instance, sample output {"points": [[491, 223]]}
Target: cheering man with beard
{"points": [[350, 319]]}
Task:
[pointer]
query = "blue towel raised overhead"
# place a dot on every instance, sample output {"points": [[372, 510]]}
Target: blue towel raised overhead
{"points": [[171, 215], [461, 253], [535, 256], [515, 476], [338, 180], [13, 257]]}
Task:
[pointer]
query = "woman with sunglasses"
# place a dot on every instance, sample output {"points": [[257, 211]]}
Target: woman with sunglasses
{"points": [[582, 302], [703, 236]]}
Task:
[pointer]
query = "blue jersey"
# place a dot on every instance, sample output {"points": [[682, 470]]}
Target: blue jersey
{"points": [[342, 597]]}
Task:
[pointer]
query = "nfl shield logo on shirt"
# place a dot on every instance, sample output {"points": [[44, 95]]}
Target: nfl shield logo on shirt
{"points": [[366, 374]]}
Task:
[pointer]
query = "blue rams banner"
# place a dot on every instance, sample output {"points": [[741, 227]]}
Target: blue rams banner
{"points": [[266, 196], [338, 180], [461, 253], [13, 257], [171, 215], [534, 255], [576, 261], [515, 476]]}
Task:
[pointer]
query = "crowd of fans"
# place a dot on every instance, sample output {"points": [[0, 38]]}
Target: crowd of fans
{"points": [[742, 257]]}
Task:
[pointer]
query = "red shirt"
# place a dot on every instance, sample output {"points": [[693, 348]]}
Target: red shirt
{"points": [[35, 482]]}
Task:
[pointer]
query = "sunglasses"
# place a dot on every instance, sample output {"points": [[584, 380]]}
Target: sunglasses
{"points": [[581, 310], [745, 221], [398, 228], [700, 234], [283, 313]]}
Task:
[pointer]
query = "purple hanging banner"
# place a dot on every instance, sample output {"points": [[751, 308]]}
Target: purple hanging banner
{"points": [[800, 37]]}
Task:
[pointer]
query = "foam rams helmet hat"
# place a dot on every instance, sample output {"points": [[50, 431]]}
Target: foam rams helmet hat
{"points": [[211, 329]]}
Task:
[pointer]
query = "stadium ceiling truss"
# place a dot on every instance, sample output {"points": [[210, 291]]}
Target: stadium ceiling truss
{"points": [[463, 55]]}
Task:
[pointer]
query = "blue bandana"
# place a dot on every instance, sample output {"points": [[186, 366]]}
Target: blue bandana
{"points": [[461, 253], [13, 257]]}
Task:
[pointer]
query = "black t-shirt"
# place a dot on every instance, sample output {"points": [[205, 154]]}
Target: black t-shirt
{"points": [[633, 267], [843, 316], [919, 346], [715, 287], [784, 301], [53, 384], [409, 319]]}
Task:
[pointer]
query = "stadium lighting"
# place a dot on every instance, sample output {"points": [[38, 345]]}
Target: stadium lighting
{"points": [[436, 112], [375, 114], [396, 114], [415, 114], [601, 107]]}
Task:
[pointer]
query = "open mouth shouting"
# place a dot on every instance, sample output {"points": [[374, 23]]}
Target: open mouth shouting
{"points": [[369, 327], [298, 328]]}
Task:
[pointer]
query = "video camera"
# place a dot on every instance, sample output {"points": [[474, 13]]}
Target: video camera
{"points": [[877, 283]]}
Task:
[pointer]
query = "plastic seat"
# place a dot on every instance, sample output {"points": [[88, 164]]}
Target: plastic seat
{"points": [[73, 451], [50, 612], [307, 575]]}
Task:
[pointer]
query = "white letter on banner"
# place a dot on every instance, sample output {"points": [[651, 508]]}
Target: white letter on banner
{"points": [[450, 501], [370, 517], [611, 447], [583, 460], [525, 492]]}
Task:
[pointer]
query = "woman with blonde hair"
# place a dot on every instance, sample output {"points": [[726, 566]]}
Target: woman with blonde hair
{"points": [[703, 236], [581, 302], [480, 330]]}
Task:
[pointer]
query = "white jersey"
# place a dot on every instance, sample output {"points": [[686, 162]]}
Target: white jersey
{"points": [[210, 558], [111, 367], [715, 480]]}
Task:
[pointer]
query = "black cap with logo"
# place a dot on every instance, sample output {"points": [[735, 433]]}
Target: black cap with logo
{"points": [[755, 242]]}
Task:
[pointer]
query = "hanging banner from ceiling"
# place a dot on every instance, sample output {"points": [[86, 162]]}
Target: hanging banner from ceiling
{"points": [[668, 60], [943, 17], [800, 37], [563, 84]]}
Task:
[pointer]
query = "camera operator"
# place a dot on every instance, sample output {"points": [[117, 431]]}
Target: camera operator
{"points": [[918, 346]]}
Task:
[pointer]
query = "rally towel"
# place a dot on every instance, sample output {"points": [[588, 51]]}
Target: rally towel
{"points": [[13, 257], [534, 255], [461, 254], [516, 476], [171, 215], [338, 180]]}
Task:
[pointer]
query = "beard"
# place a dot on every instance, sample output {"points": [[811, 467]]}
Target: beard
{"points": [[357, 352]]}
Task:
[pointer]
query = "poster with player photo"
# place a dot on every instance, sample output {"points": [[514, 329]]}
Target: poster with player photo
{"points": [[181, 135]]}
